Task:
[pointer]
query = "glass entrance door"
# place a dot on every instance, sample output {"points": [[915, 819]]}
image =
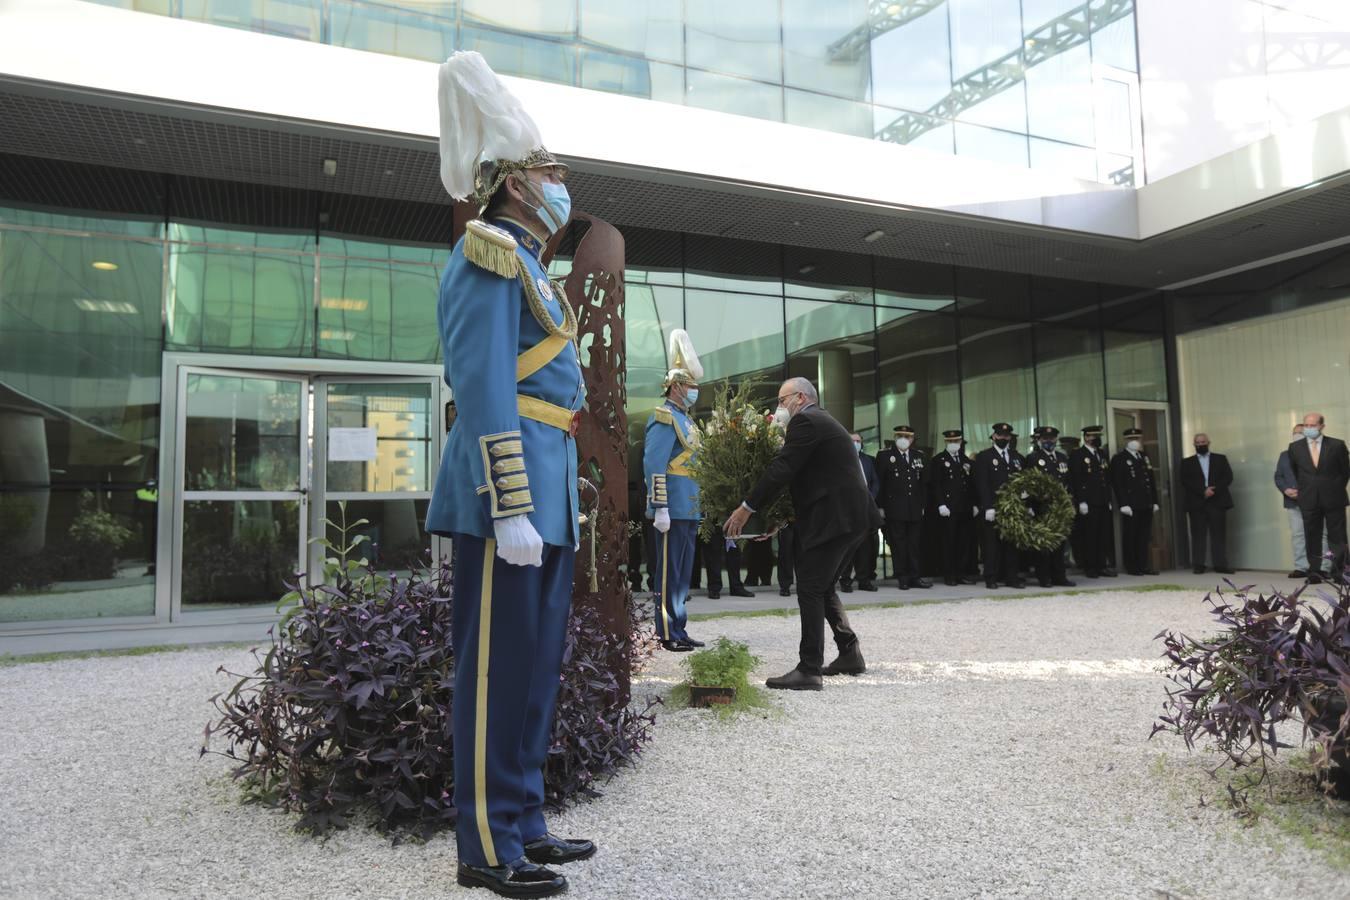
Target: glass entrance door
{"points": [[376, 452], [243, 483], [1151, 418]]}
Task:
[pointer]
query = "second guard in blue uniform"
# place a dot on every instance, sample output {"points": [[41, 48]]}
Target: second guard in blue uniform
{"points": [[672, 495]]}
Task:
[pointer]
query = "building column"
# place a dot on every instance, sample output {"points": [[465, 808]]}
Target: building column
{"points": [[834, 380]]}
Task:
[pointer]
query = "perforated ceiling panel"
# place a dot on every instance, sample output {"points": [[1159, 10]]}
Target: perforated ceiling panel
{"points": [[388, 186]]}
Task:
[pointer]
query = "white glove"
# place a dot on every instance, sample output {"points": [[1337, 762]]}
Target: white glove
{"points": [[1126, 511], [974, 510], [517, 541], [663, 520], [1082, 509], [989, 515], [1031, 512], [883, 514], [1155, 507], [944, 511]]}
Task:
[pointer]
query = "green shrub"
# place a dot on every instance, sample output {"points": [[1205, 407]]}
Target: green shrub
{"points": [[725, 664]]}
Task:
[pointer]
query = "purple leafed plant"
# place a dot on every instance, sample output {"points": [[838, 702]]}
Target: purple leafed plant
{"points": [[350, 707], [1274, 658]]}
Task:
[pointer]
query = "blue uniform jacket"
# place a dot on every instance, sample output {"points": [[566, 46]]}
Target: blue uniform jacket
{"points": [[497, 462], [671, 444]]}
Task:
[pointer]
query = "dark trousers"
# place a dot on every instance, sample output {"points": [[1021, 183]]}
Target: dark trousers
{"points": [[508, 631], [1107, 543], [715, 555], [759, 562], [863, 564], [1212, 521], [1000, 557], [1050, 566], [1313, 522], [786, 556], [818, 571], [956, 530], [905, 538], [1136, 533]]}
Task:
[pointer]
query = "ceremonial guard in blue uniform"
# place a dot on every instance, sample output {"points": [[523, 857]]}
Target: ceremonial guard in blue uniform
{"points": [[672, 495], [506, 492], [1050, 566]]}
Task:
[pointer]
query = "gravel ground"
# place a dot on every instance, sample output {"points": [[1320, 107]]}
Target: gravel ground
{"points": [[993, 749]]}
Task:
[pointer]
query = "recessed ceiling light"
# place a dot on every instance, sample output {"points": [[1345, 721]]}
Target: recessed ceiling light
{"points": [[104, 266], [328, 334], [346, 304], [807, 269], [120, 307], [873, 236], [330, 167]]}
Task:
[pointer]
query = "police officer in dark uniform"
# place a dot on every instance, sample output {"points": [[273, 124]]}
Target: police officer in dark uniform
{"points": [[1047, 458], [952, 480], [1136, 491], [993, 467], [1091, 490], [903, 476], [1068, 445]]}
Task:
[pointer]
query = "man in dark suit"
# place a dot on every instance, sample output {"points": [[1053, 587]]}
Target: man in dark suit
{"points": [[903, 477], [993, 467], [1047, 458], [1205, 479], [1322, 468], [1136, 491], [954, 495], [1287, 485], [833, 513], [864, 562]]}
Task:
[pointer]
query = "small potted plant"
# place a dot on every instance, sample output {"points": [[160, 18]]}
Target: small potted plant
{"points": [[718, 673], [1275, 659]]}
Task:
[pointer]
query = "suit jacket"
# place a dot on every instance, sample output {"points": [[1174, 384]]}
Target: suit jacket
{"points": [[870, 473], [1193, 482], [1133, 481], [1088, 478], [991, 474], [820, 467], [1323, 486], [1284, 479], [952, 482], [903, 475]]}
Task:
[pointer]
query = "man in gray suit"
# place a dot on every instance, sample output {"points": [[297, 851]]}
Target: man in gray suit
{"points": [[1288, 485]]}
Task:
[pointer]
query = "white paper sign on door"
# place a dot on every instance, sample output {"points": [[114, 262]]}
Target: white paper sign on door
{"points": [[351, 444]]}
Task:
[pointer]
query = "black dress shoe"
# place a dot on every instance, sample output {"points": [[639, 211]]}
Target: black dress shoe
{"points": [[846, 587], [848, 662], [1314, 578], [991, 585], [676, 646], [1149, 572], [741, 592], [1197, 570], [1093, 574], [950, 582], [555, 851], [714, 595], [1226, 571], [867, 586], [922, 583], [965, 580], [904, 584], [796, 680], [1109, 572], [1019, 583], [1297, 573], [785, 592], [1045, 582], [691, 642], [1064, 582], [518, 879]]}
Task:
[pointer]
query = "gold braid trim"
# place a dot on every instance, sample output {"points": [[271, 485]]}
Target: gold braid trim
{"points": [[492, 249], [568, 329]]}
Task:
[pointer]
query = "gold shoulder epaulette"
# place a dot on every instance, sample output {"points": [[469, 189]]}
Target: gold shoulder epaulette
{"points": [[491, 248], [662, 414]]}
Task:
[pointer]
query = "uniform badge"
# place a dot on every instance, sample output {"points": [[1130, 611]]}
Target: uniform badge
{"points": [[996, 462], [1041, 463], [545, 289], [947, 463], [892, 457]]}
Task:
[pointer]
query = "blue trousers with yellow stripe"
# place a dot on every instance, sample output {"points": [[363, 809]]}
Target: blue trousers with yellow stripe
{"points": [[670, 581], [510, 623]]}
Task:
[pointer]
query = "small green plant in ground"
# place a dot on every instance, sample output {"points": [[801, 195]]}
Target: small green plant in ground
{"points": [[724, 664]]}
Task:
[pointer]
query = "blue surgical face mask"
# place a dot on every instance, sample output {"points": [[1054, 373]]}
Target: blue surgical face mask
{"points": [[1048, 446], [953, 449], [857, 446], [690, 397], [557, 208], [1312, 432]]}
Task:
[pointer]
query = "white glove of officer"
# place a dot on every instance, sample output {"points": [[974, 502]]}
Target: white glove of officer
{"points": [[944, 511], [1155, 507], [1126, 511], [989, 515], [974, 510], [663, 520], [1082, 509], [517, 541]]}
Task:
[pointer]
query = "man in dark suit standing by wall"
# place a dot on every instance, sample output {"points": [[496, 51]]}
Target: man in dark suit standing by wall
{"points": [[864, 562], [1136, 491], [1205, 479], [993, 467], [903, 476], [1322, 468], [1287, 485], [833, 513]]}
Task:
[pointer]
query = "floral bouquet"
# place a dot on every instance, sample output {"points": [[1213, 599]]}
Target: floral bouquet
{"points": [[736, 445]]}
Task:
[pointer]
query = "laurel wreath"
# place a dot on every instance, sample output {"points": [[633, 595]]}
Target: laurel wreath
{"points": [[1053, 519]]}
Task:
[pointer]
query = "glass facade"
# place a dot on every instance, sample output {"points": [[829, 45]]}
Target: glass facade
{"points": [[1040, 83]]}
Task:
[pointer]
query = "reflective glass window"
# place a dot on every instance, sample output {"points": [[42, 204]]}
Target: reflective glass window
{"points": [[1062, 299], [914, 285], [831, 345], [733, 265], [1114, 45], [727, 93], [983, 31], [742, 38], [548, 17], [997, 378], [1005, 110], [991, 145], [918, 376], [813, 110], [827, 275], [1132, 333], [650, 28], [425, 32], [1069, 388], [914, 130], [811, 32], [376, 308], [1037, 14], [630, 75], [911, 65], [984, 292], [1059, 97], [737, 336], [288, 18], [1066, 159], [517, 54]]}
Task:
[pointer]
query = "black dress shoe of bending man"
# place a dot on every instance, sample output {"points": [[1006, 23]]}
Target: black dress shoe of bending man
{"points": [[714, 595], [849, 662], [922, 583], [555, 851], [796, 680], [867, 586], [676, 646], [692, 643], [741, 592], [518, 879]]}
